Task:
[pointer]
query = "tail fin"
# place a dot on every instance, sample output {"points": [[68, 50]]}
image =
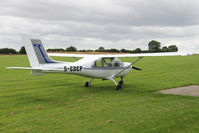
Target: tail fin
{"points": [[37, 55]]}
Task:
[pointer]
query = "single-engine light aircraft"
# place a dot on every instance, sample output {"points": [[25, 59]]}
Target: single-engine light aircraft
{"points": [[101, 66]]}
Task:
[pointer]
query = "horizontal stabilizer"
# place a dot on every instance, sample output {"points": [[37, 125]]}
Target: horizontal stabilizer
{"points": [[36, 73], [39, 69], [23, 68]]}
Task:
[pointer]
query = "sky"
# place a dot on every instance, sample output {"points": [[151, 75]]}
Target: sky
{"points": [[89, 24]]}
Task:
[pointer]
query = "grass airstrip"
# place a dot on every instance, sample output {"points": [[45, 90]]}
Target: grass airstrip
{"points": [[60, 102]]}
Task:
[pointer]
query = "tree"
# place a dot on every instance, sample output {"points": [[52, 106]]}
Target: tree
{"points": [[165, 49], [56, 50], [101, 48], [114, 50], [137, 50], [172, 48], [71, 49], [89, 50], [83, 50], [22, 50], [124, 50], [146, 51], [154, 46]]}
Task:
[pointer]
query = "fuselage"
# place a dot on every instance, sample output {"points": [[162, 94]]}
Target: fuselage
{"points": [[87, 71]]}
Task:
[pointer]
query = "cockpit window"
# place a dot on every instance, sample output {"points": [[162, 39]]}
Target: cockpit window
{"points": [[108, 62], [98, 63]]}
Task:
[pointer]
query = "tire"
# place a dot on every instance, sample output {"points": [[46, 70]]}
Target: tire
{"points": [[87, 84], [118, 87], [121, 82]]}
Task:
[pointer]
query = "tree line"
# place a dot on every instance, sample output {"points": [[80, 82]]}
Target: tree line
{"points": [[12, 51], [153, 46]]}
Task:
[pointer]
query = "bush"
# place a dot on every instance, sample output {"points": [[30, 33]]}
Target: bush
{"points": [[146, 51], [164, 49], [137, 50], [172, 48], [56, 50], [124, 51]]}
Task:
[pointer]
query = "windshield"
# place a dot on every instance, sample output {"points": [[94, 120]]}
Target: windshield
{"points": [[108, 62]]}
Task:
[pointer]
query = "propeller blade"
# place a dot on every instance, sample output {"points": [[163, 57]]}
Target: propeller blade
{"points": [[136, 68]]}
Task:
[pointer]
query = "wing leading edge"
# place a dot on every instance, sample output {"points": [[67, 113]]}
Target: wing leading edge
{"points": [[121, 55]]}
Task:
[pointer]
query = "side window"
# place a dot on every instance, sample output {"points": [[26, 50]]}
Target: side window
{"points": [[98, 63], [117, 63]]}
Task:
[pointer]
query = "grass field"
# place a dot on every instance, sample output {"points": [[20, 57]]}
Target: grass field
{"points": [[60, 103]]}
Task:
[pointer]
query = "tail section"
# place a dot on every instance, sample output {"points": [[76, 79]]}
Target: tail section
{"points": [[37, 55]]}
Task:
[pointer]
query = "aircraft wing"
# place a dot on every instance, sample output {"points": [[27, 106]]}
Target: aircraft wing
{"points": [[69, 55], [121, 55], [148, 54]]}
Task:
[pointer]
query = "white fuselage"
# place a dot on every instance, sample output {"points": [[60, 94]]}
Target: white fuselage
{"points": [[85, 70]]}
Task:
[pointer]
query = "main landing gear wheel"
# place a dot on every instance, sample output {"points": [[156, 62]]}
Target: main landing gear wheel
{"points": [[121, 82], [118, 87], [87, 84]]}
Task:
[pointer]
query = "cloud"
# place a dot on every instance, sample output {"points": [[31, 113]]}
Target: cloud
{"points": [[90, 24]]}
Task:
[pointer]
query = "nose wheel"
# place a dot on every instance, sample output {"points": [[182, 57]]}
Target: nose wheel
{"points": [[121, 81], [119, 85], [87, 84]]}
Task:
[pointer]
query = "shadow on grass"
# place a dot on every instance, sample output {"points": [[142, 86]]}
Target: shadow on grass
{"points": [[130, 89]]}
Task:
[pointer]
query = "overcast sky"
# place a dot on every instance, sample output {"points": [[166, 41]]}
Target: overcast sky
{"points": [[88, 24]]}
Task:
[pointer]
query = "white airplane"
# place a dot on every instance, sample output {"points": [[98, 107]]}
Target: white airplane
{"points": [[106, 67]]}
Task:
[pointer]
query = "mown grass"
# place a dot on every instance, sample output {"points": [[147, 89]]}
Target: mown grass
{"points": [[60, 103]]}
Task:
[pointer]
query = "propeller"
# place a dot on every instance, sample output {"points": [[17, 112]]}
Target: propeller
{"points": [[136, 68]]}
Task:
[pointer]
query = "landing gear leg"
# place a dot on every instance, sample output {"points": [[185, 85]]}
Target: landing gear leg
{"points": [[121, 81], [118, 86], [88, 83]]}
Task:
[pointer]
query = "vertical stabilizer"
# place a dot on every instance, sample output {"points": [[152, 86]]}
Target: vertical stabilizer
{"points": [[37, 55]]}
